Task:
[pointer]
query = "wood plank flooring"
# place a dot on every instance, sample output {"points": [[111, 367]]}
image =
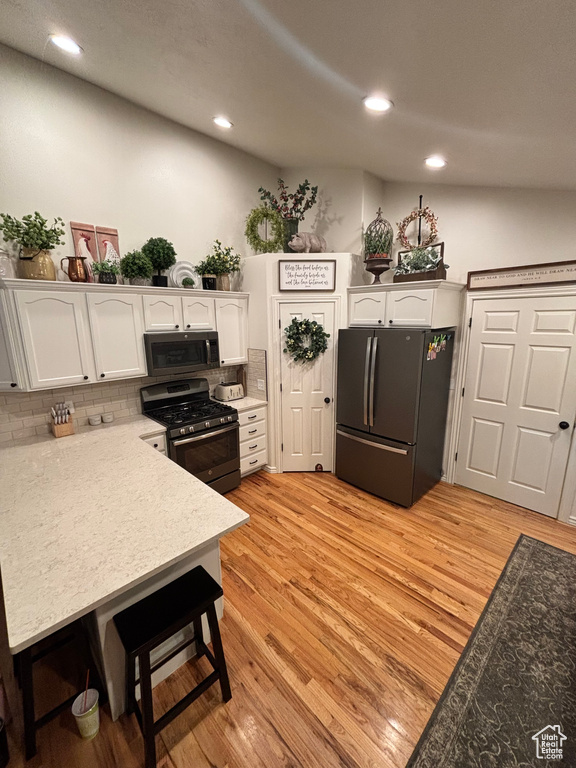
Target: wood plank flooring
{"points": [[344, 617]]}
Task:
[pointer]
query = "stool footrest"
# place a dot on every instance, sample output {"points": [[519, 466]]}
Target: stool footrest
{"points": [[167, 717]]}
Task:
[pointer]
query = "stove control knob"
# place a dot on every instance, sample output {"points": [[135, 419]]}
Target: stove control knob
{"points": [[207, 424], [182, 431], [229, 418], [190, 429]]}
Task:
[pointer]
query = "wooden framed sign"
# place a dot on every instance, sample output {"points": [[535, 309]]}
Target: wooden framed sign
{"points": [[301, 275], [521, 277]]}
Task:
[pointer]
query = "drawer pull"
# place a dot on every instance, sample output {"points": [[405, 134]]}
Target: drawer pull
{"points": [[252, 417], [251, 447], [251, 431], [254, 462]]}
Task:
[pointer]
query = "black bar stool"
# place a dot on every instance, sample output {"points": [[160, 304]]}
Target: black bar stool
{"points": [[24, 672], [150, 622]]}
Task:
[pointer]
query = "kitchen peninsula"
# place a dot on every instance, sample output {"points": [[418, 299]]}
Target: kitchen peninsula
{"points": [[92, 523]]}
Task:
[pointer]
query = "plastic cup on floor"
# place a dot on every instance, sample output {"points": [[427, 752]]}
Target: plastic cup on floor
{"points": [[88, 721]]}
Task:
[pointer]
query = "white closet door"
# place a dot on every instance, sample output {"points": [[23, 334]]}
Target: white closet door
{"points": [[520, 390]]}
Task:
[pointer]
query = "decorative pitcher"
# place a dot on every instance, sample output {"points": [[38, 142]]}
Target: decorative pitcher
{"points": [[76, 270]]}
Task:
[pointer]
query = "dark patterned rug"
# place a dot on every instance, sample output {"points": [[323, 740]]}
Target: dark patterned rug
{"points": [[511, 700]]}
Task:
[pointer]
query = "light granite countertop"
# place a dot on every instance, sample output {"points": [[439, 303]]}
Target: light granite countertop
{"points": [[84, 518], [246, 403]]}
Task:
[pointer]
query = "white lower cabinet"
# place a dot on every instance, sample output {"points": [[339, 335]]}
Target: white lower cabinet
{"points": [[158, 442], [56, 338], [232, 327], [117, 335], [253, 447]]}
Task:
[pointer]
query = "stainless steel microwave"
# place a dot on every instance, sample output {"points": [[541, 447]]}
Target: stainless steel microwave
{"points": [[181, 352]]}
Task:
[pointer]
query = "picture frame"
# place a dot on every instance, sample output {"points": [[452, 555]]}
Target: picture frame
{"points": [[318, 275], [547, 274]]}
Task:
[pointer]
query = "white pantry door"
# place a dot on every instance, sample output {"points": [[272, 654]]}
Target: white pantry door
{"points": [[520, 391], [308, 421]]}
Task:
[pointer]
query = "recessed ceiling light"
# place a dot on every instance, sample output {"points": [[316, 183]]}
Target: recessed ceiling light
{"points": [[222, 122], [435, 161], [66, 43], [378, 104]]}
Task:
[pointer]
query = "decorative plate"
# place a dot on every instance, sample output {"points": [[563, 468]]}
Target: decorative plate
{"points": [[179, 271]]}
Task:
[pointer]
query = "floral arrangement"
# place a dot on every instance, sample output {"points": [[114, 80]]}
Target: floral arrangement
{"points": [[298, 332], [136, 264], [419, 260], [269, 215], [105, 267], [291, 205], [222, 261], [428, 217], [32, 231], [160, 252]]}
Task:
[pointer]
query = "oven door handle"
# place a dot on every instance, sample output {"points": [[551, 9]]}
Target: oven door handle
{"points": [[207, 433]]}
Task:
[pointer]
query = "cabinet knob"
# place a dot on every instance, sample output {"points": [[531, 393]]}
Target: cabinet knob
{"points": [[102, 375], [390, 321], [563, 425], [85, 378], [188, 326], [177, 326], [155, 445], [381, 321], [13, 384], [222, 361]]}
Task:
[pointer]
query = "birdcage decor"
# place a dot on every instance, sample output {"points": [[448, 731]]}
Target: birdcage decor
{"points": [[378, 238]]}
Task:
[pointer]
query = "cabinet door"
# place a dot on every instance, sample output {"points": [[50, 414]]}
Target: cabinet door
{"points": [[117, 335], [162, 313], [56, 338], [9, 379], [367, 309], [198, 313], [410, 308], [232, 327]]}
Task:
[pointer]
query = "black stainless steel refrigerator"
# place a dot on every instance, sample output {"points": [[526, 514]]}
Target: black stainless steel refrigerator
{"points": [[392, 399]]}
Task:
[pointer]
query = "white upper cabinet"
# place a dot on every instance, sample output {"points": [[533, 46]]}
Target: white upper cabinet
{"points": [[410, 308], [367, 308], [232, 327], [9, 378], [55, 334], [117, 335], [162, 313], [199, 313]]}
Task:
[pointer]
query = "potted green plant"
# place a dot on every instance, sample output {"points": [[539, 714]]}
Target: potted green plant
{"points": [[36, 239], [162, 255], [291, 205], [137, 268], [106, 271], [219, 264], [188, 282]]}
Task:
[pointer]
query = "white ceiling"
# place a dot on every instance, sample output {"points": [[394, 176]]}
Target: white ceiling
{"points": [[489, 84]]}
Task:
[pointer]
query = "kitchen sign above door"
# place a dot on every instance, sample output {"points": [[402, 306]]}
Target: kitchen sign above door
{"points": [[317, 275], [518, 277]]}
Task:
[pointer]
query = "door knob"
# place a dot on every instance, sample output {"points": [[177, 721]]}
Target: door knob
{"points": [[326, 400], [563, 425]]}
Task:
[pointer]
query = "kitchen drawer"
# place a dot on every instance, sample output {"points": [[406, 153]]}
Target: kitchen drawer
{"points": [[252, 430], [157, 441], [252, 462], [254, 414], [252, 446]]}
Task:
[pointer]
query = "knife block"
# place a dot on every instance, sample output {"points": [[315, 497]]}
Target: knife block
{"points": [[63, 430]]}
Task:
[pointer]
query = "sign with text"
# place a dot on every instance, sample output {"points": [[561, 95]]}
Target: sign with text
{"points": [[520, 277], [303, 275]]}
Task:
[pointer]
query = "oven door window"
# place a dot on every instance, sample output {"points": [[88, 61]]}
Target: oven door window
{"points": [[209, 455], [167, 355]]}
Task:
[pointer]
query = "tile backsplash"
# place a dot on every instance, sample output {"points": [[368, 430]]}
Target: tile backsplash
{"points": [[25, 414], [256, 370]]}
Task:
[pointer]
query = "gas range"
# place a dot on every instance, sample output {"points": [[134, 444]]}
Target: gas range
{"points": [[184, 407]]}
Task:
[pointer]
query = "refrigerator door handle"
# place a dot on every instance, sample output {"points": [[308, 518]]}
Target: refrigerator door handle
{"points": [[367, 377], [374, 445], [372, 376]]}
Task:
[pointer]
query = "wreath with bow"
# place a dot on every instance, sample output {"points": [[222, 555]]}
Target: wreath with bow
{"points": [[301, 331]]}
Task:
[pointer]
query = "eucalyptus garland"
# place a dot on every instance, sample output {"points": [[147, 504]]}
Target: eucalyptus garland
{"points": [[255, 219], [298, 332]]}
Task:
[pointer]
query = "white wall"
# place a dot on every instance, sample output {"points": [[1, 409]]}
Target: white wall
{"points": [[488, 227], [73, 150]]}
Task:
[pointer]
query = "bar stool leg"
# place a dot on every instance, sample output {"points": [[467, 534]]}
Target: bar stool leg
{"points": [[130, 683], [27, 685], [147, 710], [219, 652], [199, 636]]}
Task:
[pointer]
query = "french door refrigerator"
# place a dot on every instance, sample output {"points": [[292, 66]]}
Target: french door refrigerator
{"points": [[392, 400]]}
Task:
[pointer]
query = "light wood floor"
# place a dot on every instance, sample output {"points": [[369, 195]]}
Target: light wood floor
{"points": [[344, 618]]}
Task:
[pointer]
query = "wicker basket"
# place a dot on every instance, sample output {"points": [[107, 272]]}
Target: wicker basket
{"points": [[434, 274]]}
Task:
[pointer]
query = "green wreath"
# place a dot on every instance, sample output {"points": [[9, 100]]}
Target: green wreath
{"points": [[257, 217], [297, 332]]}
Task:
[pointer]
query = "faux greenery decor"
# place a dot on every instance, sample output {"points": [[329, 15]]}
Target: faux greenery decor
{"points": [[291, 205], [419, 260], [32, 231], [296, 335], [188, 282], [105, 267], [378, 238], [136, 264], [270, 215], [222, 261], [160, 252], [420, 213]]}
